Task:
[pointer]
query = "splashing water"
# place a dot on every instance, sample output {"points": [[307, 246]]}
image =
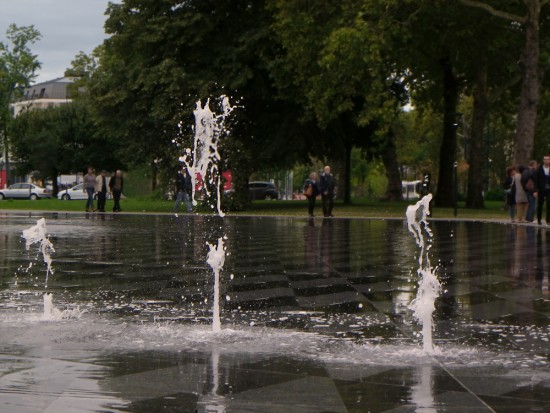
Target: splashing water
{"points": [[216, 259], [37, 234], [202, 161], [429, 287], [51, 313]]}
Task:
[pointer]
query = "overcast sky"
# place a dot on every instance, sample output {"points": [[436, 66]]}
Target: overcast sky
{"points": [[67, 27]]}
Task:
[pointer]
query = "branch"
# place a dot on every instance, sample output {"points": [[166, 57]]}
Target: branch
{"points": [[498, 13]]}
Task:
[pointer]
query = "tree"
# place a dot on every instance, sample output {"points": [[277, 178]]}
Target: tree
{"points": [[59, 140], [531, 65], [164, 56], [335, 65], [17, 69]]}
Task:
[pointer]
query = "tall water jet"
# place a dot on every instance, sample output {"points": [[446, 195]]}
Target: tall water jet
{"points": [[202, 161], [216, 259], [423, 305], [37, 234]]}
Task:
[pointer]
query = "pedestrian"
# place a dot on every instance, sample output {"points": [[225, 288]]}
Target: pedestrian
{"points": [[89, 189], [528, 178], [510, 191], [116, 186], [327, 186], [101, 189], [184, 190], [521, 196], [543, 189], [311, 190]]}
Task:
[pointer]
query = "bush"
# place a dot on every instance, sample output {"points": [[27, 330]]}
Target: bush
{"points": [[495, 194]]}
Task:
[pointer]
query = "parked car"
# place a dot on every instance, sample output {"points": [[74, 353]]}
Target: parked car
{"points": [[25, 191], [76, 192], [263, 190]]}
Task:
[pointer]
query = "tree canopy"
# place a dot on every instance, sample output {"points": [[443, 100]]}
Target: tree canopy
{"points": [[319, 79]]}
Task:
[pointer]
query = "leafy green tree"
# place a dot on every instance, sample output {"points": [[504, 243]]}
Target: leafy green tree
{"points": [[163, 56], [17, 69], [529, 14], [335, 65], [60, 140]]}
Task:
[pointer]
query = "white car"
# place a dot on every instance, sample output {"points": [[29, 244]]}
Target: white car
{"points": [[76, 192], [25, 191]]}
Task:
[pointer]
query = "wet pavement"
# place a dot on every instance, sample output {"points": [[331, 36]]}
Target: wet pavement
{"points": [[315, 317]]}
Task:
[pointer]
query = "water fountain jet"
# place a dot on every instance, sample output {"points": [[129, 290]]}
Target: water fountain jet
{"points": [[423, 305]]}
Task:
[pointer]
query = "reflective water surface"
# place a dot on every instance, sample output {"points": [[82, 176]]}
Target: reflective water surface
{"points": [[315, 317]]}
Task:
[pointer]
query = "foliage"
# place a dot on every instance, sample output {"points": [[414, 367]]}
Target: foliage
{"points": [[164, 56], [60, 140], [17, 69]]}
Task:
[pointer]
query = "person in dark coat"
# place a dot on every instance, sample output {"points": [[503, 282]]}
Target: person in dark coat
{"points": [[528, 179], [327, 185], [311, 190], [184, 190], [542, 185], [116, 186]]}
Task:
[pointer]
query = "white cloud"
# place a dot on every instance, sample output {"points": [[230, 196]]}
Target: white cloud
{"points": [[67, 27]]}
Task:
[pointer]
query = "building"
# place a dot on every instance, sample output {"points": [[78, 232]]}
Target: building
{"points": [[44, 95]]}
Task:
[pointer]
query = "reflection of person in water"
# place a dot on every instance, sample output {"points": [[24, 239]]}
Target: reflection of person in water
{"points": [[326, 247], [310, 244]]}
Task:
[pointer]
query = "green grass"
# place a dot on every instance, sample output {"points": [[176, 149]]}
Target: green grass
{"points": [[359, 208]]}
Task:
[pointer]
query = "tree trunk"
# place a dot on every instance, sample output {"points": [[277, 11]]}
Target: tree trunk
{"points": [[447, 156], [530, 88], [154, 175], [55, 183], [347, 173], [389, 158], [7, 158], [475, 159]]}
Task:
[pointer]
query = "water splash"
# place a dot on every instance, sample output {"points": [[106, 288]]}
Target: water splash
{"points": [[423, 305], [216, 259], [51, 313], [202, 161], [38, 234]]}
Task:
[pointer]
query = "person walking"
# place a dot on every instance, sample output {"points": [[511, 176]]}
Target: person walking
{"points": [[311, 190], [521, 196], [89, 188], [116, 186], [543, 189], [184, 190], [101, 189], [528, 178], [327, 186]]}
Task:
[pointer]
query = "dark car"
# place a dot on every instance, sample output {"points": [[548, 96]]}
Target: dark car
{"points": [[263, 190]]}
